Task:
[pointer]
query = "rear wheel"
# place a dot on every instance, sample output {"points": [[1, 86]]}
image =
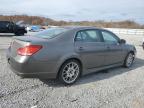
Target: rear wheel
{"points": [[70, 72], [143, 45], [129, 60], [19, 33]]}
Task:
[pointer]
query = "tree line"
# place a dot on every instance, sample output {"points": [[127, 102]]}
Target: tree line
{"points": [[37, 20]]}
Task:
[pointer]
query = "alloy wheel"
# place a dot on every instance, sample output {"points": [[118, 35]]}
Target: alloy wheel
{"points": [[70, 72], [129, 60]]}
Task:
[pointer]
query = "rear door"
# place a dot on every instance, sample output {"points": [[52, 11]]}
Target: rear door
{"points": [[114, 53], [88, 43]]}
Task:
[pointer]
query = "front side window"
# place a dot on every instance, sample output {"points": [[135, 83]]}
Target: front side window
{"points": [[109, 37], [51, 33], [88, 36]]}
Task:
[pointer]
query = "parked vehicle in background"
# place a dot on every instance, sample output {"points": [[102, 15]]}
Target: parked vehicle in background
{"points": [[35, 28], [10, 27], [68, 52], [143, 43], [45, 27]]}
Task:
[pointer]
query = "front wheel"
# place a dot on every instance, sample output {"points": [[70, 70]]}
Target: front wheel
{"points": [[70, 72], [129, 60]]}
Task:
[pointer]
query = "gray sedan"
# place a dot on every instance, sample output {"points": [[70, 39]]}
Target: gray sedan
{"points": [[67, 53]]}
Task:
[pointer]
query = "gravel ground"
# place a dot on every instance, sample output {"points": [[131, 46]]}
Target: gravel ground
{"points": [[117, 88]]}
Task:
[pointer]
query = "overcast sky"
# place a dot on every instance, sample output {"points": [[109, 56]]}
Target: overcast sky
{"points": [[77, 9]]}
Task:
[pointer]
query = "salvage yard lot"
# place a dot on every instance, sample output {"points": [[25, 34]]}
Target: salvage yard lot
{"points": [[118, 88]]}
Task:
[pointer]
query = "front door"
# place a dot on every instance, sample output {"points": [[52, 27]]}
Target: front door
{"points": [[114, 53], [89, 45]]}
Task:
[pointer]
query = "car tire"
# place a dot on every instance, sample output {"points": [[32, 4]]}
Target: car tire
{"points": [[69, 72], [143, 45], [129, 60], [19, 33]]}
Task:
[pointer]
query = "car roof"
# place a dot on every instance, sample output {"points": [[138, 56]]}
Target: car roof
{"points": [[81, 27]]}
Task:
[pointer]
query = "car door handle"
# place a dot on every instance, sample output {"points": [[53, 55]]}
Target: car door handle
{"points": [[81, 48]]}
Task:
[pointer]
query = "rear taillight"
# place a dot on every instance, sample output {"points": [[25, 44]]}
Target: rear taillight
{"points": [[29, 50]]}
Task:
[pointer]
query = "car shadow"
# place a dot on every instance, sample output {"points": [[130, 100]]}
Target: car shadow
{"points": [[97, 76]]}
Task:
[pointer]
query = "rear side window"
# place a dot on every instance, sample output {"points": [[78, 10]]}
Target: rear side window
{"points": [[51, 32], [88, 36]]}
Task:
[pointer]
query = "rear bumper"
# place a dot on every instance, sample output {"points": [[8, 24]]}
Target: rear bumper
{"points": [[33, 75], [30, 70]]}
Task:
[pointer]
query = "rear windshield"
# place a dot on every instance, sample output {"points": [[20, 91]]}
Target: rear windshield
{"points": [[51, 32]]}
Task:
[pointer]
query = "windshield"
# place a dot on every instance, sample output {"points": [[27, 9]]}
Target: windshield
{"points": [[51, 33]]}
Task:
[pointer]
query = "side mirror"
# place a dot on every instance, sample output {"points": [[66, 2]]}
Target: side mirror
{"points": [[122, 41]]}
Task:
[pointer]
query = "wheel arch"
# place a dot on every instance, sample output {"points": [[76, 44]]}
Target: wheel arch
{"points": [[68, 59], [131, 52]]}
